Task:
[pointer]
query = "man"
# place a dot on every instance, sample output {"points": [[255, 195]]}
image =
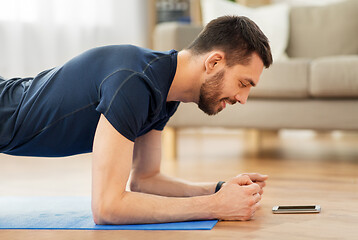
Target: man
{"points": [[115, 101]]}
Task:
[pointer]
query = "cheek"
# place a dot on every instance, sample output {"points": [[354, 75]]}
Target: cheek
{"points": [[230, 90]]}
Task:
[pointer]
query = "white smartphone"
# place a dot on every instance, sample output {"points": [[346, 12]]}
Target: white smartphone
{"points": [[297, 209]]}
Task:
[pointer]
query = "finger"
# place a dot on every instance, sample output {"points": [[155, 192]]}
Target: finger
{"points": [[257, 206], [261, 191], [253, 188], [256, 177], [257, 198], [261, 184], [242, 180]]}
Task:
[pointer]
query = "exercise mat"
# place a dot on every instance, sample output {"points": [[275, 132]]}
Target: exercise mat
{"points": [[72, 213]]}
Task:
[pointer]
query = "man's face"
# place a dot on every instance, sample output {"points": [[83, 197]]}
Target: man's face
{"points": [[229, 85]]}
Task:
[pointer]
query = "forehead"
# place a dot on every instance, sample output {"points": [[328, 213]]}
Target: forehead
{"points": [[252, 70]]}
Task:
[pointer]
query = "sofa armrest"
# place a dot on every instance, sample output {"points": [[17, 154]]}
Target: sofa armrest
{"points": [[173, 35]]}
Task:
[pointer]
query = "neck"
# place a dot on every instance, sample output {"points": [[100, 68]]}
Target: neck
{"points": [[187, 81]]}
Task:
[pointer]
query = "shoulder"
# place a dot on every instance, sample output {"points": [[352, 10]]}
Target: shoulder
{"points": [[130, 86]]}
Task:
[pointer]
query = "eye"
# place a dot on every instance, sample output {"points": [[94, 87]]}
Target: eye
{"points": [[242, 84]]}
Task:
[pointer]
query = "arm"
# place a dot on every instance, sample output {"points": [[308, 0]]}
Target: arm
{"points": [[112, 204], [146, 176]]}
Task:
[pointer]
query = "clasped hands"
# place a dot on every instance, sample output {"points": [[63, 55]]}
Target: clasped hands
{"points": [[239, 198]]}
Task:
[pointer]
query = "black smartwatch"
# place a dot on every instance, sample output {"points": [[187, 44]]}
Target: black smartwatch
{"points": [[218, 186]]}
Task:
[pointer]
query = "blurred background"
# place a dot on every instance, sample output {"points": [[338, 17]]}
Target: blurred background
{"points": [[40, 34], [306, 109]]}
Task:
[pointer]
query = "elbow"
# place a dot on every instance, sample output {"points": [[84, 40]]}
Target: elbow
{"points": [[100, 214], [106, 213], [100, 220], [97, 218]]}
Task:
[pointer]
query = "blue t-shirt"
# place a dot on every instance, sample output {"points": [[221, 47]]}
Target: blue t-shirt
{"points": [[56, 113]]}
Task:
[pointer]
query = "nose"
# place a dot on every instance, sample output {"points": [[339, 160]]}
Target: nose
{"points": [[241, 98]]}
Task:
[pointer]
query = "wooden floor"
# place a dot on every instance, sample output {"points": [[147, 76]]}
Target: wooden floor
{"points": [[304, 168]]}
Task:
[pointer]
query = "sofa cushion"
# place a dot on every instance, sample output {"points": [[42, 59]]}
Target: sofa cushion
{"points": [[284, 79], [328, 30], [334, 77]]}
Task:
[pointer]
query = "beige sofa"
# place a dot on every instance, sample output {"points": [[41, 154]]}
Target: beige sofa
{"points": [[316, 87]]}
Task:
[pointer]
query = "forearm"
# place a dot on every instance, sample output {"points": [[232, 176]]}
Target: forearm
{"points": [[134, 207], [163, 185]]}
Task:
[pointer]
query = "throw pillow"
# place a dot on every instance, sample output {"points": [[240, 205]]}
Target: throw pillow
{"points": [[272, 20]]}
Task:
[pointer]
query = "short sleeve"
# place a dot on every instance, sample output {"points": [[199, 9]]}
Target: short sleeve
{"points": [[125, 100], [171, 109]]}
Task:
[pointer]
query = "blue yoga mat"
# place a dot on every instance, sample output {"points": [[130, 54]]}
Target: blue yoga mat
{"points": [[72, 213]]}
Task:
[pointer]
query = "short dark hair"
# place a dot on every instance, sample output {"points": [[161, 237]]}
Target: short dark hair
{"points": [[237, 36]]}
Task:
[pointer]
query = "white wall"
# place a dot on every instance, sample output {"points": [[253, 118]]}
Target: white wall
{"points": [[39, 34]]}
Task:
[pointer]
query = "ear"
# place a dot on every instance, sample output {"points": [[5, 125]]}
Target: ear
{"points": [[215, 60]]}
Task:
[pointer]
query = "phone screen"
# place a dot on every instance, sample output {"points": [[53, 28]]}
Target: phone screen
{"points": [[296, 207]]}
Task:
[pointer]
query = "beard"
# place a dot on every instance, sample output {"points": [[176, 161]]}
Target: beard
{"points": [[210, 92]]}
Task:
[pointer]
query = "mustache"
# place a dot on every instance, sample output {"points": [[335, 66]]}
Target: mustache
{"points": [[231, 101]]}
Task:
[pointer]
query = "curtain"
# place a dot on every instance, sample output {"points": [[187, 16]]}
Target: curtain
{"points": [[40, 34]]}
